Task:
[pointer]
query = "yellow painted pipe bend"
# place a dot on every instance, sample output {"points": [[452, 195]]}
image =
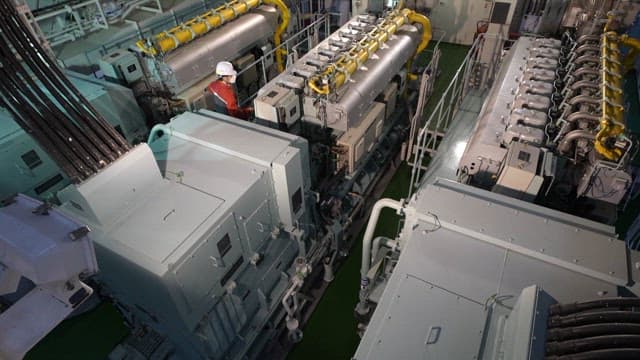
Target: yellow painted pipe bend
{"points": [[349, 62], [612, 121], [171, 39]]}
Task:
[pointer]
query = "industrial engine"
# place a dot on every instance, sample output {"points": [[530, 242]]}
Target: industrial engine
{"points": [[348, 85], [553, 127]]}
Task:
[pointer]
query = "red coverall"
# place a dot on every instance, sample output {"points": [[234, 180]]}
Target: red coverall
{"points": [[226, 100]]}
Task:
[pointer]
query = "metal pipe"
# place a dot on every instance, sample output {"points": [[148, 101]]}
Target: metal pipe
{"points": [[362, 307], [371, 227], [565, 145], [380, 241], [582, 115]]}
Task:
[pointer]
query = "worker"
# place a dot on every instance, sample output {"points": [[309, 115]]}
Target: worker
{"points": [[225, 98]]}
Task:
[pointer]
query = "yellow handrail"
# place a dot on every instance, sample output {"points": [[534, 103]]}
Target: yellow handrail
{"points": [[336, 73], [173, 38], [612, 121]]}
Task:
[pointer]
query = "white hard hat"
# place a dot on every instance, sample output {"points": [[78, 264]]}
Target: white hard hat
{"points": [[225, 68]]}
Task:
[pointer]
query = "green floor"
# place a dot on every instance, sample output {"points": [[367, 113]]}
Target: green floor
{"points": [[89, 336]]}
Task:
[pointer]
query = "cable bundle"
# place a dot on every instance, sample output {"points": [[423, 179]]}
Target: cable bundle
{"points": [[64, 123]]}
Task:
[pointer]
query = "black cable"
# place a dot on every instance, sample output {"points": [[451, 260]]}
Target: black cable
{"points": [[57, 122], [87, 139], [22, 114], [108, 134], [582, 331], [592, 343], [75, 135], [99, 123], [608, 354], [566, 309], [594, 318]]}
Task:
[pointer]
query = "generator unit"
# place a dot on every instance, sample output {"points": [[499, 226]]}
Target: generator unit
{"points": [[200, 233], [170, 71], [336, 84], [552, 129]]}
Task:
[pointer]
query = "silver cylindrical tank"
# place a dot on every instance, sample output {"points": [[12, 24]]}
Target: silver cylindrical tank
{"points": [[192, 62], [356, 97]]}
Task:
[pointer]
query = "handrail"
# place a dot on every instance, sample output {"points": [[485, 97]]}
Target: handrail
{"points": [[441, 116]]}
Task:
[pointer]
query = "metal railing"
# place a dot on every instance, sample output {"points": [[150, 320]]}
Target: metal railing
{"points": [[145, 29], [294, 46], [436, 126], [427, 83]]}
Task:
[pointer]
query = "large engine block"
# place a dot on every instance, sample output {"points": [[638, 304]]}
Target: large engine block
{"points": [[552, 128]]}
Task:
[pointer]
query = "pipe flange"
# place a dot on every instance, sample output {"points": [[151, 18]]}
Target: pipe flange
{"points": [[175, 39], [245, 4], [214, 12], [235, 13]]}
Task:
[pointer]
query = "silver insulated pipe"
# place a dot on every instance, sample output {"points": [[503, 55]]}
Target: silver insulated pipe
{"points": [[192, 62], [355, 97]]}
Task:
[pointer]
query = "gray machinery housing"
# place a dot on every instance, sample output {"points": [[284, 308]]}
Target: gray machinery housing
{"points": [[534, 138], [486, 268], [202, 241], [27, 169]]}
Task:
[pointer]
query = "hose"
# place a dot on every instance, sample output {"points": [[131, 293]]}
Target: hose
{"points": [[575, 332], [566, 309], [594, 318], [592, 343], [63, 122]]}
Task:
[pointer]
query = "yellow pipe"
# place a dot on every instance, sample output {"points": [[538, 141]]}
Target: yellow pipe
{"points": [[612, 121], [171, 39], [277, 38], [335, 74], [415, 17]]}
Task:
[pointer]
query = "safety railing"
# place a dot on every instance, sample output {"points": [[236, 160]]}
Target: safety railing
{"points": [[294, 46], [440, 120], [427, 81], [157, 24], [70, 22]]}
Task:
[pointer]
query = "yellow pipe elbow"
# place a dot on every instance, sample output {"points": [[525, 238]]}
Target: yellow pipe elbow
{"points": [[415, 17], [277, 37], [322, 90]]}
